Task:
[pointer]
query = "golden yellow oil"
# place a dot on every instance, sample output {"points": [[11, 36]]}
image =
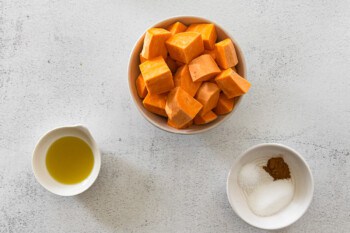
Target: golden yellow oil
{"points": [[69, 160]]}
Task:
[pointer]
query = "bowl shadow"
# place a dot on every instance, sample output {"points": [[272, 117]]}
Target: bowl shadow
{"points": [[120, 197]]}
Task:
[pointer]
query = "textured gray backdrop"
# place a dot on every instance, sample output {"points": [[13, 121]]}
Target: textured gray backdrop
{"points": [[65, 62]]}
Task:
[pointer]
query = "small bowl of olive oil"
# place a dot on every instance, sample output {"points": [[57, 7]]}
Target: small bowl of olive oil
{"points": [[66, 161]]}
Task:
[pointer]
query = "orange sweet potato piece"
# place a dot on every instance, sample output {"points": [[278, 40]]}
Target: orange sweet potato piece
{"points": [[203, 68], [208, 96], [185, 46], [176, 28], [180, 107], [155, 103], [157, 76], [171, 64], [183, 79], [154, 43], [224, 105], [206, 118], [232, 84], [141, 87], [212, 53], [226, 56], [179, 63], [208, 32], [142, 59], [172, 124]]}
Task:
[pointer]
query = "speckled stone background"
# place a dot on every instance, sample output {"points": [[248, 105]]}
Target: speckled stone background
{"points": [[65, 62]]}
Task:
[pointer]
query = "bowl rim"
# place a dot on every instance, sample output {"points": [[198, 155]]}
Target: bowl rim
{"points": [[97, 157], [278, 145], [184, 131]]}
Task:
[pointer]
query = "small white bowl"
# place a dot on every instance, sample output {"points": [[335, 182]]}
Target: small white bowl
{"points": [[39, 161], [302, 178], [134, 71]]}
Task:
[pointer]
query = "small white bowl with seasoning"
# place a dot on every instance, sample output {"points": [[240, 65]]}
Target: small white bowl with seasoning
{"points": [[270, 186], [66, 161]]}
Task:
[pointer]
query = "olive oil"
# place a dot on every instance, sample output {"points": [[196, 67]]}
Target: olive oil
{"points": [[69, 160]]}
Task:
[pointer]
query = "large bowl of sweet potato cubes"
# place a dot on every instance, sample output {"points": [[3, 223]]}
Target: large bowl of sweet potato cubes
{"points": [[187, 75]]}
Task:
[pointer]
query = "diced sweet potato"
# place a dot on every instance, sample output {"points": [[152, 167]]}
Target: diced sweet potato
{"points": [[142, 59], [232, 84], [172, 124], [185, 46], [234, 69], [176, 28], [155, 103], [212, 53], [208, 33], [203, 68], [224, 105], [183, 79], [208, 117], [179, 63], [154, 43], [141, 87], [171, 64], [226, 56], [180, 107], [208, 96], [157, 76]]}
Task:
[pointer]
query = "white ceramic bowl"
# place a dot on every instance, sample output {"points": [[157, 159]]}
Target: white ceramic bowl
{"points": [[303, 182], [134, 71], [39, 161]]}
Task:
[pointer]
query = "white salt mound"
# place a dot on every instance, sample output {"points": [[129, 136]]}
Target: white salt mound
{"points": [[269, 198], [251, 175]]}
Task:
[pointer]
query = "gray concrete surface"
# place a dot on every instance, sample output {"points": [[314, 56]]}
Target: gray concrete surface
{"points": [[64, 62]]}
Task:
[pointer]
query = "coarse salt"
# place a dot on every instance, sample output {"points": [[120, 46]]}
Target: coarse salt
{"points": [[251, 175], [269, 198]]}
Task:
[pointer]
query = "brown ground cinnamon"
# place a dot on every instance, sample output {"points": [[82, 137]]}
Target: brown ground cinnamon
{"points": [[277, 168]]}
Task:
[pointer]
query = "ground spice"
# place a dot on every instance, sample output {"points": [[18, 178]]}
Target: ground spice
{"points": [[277, 168]]}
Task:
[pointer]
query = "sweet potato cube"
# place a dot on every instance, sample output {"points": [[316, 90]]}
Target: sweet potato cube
{"points": [[226, 56], [208, 32], [142, 59], [224, 105], [176, 28], [212, 53], [154, 43], [206, 118], [208, 96], [155, 103], [232, 84], [183, 79], [203, 68], [180, 107], [185, 46], [141, 87], [172, 124], [171, 64], [179, 63], [157, 76]]}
